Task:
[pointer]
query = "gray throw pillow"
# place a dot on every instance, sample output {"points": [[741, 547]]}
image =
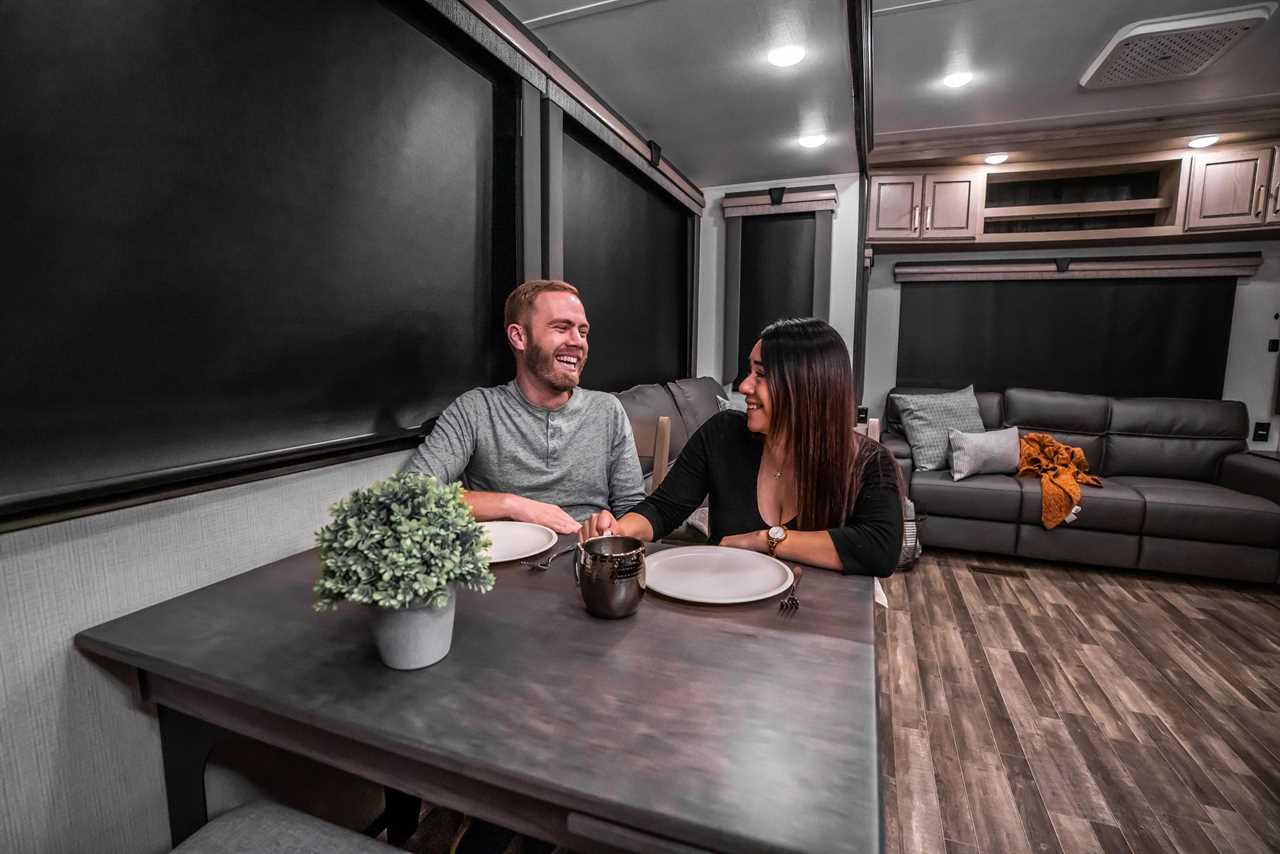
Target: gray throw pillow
{"points": [[927, 418], [993, 452]]}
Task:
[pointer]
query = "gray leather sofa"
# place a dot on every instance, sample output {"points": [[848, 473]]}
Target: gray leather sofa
{"points": [[1179, 494]]}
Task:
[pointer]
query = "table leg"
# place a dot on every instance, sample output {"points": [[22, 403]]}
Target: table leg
{"points": [[185, 743], [402, 815]]}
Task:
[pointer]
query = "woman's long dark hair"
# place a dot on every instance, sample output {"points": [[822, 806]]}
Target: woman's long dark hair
{"points": [[806, 366]]}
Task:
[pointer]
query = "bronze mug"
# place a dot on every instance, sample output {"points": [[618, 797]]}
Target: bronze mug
{"points": [[610, 574]]}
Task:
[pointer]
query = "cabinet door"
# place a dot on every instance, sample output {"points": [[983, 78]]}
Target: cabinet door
{"points": [[951, 206], [1273, 206], [894, 208], [1229, 188]]}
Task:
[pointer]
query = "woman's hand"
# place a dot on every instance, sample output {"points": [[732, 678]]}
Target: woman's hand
{"points": [[756, 541], [597, 525]]}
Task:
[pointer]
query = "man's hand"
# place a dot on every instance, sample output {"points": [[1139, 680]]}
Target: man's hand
{"points": [[756, 541], [597, 525], [528, 510]]}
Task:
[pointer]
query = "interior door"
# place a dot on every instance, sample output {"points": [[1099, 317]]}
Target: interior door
{"points": [[951, 204], [1229, 188], [894, 207]]}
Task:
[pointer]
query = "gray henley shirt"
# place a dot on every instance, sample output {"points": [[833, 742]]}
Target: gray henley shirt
{"points": [[580, 457]]}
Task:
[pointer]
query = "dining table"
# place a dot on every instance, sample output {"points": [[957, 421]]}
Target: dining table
{"points": [[684, 727]]}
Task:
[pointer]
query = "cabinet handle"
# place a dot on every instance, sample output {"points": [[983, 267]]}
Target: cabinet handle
{"points": [[1260, 199], [1275, 208], [915, 217], [928, 217]]}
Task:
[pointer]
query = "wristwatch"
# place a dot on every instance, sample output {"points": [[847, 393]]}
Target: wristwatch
{"points": [[776, 534]]}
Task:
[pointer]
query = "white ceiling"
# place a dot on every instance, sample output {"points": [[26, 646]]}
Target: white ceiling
{"points": [[692, 75], [1027, 57]]}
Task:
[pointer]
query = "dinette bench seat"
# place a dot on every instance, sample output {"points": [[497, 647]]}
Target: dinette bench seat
{"points": [[267, 828]]}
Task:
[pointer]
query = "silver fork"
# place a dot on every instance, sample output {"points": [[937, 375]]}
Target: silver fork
{"points": [[791, 603], [545, 564]]}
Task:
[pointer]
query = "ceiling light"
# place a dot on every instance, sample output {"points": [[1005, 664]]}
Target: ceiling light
{"points": [[786, 55], [812, 141], [1203, 141], [997, 159], [956, 79]]}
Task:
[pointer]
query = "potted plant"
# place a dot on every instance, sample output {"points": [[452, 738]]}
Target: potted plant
{"points": [[403, 546]]}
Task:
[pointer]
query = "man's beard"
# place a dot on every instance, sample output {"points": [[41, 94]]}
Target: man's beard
{"points": [[543, 365]]}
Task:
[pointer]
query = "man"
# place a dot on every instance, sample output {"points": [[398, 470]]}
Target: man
{"points": [[539, 449]]}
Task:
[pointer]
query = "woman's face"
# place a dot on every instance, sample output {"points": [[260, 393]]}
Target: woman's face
{"points": [[756, 390]]}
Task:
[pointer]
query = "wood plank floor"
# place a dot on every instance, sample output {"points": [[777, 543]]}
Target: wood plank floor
{"points": [[1039, 707]]}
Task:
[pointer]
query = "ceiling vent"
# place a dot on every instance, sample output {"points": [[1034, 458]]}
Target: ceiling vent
{"points": [[1174, 48]]}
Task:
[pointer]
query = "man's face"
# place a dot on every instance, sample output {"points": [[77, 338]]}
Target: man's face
{"points": [[555, 340]]}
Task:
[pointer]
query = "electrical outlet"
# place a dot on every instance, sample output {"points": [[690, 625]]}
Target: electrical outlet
{"points": [[1261, 431], [1273, 346]]}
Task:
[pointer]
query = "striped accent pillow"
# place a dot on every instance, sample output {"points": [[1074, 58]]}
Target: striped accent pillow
{"points": [[928, 419]]}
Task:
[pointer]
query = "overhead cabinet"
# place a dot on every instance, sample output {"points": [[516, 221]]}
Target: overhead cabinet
{"points": [[894, 207], [1233, 188], [1144, 196], [941, 206]]}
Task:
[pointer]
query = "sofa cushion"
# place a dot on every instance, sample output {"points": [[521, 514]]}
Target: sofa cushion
{"points": [[990, 406], [1078, 420], [997, 497], [928, 418], [1194, 510], [1112, 507], [1056, 410], [1173, 437]]}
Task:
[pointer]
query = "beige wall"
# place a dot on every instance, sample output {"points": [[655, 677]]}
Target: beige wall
{"points": [[80, 765], [1251, 370]]}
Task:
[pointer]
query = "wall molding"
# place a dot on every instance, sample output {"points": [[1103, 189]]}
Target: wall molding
{"points": [[1237, 265], [788, 200]]}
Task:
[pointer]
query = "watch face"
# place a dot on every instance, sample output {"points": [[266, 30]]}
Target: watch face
{"points": [[777, 532]]}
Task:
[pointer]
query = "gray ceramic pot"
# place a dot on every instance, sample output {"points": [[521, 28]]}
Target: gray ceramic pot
{"points": [[412, 638]]}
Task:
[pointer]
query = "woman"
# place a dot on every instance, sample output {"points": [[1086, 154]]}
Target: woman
{"points": [[790, 477]]}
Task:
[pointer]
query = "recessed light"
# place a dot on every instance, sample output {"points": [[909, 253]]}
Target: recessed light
{"points": [[786, 55], [956, 79], [1203, 141], [812, 141], [997, 159]]}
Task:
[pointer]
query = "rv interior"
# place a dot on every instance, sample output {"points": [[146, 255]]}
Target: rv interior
{"points": [[265, 309]]}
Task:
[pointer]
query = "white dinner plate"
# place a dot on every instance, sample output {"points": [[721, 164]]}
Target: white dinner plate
{"points": [[515, 540], [714, 575]]}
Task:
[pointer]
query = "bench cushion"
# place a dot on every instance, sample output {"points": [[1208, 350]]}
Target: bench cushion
{"points": [[697, 399], [267, 828], [643, 405]]}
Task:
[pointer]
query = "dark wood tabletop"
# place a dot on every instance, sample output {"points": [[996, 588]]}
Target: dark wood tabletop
{"points": [[725, 728]]}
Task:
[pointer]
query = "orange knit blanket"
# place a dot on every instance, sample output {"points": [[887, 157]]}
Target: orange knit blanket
{"points": [[1061, 469]]}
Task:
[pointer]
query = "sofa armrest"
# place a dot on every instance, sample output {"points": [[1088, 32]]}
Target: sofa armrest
{"points": [[897, 445], [1252, 475]]}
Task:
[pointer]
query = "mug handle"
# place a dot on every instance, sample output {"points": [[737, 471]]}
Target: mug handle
{"points": [[578, 557]]}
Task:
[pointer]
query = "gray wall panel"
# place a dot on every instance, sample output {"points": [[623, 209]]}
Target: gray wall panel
{"points": [[80, 762]]}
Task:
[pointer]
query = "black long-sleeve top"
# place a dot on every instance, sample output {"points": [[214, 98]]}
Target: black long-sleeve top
{"points": [[722, 460]]}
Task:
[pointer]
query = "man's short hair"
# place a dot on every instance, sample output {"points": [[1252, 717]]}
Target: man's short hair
{"points": [[520, 301]]}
